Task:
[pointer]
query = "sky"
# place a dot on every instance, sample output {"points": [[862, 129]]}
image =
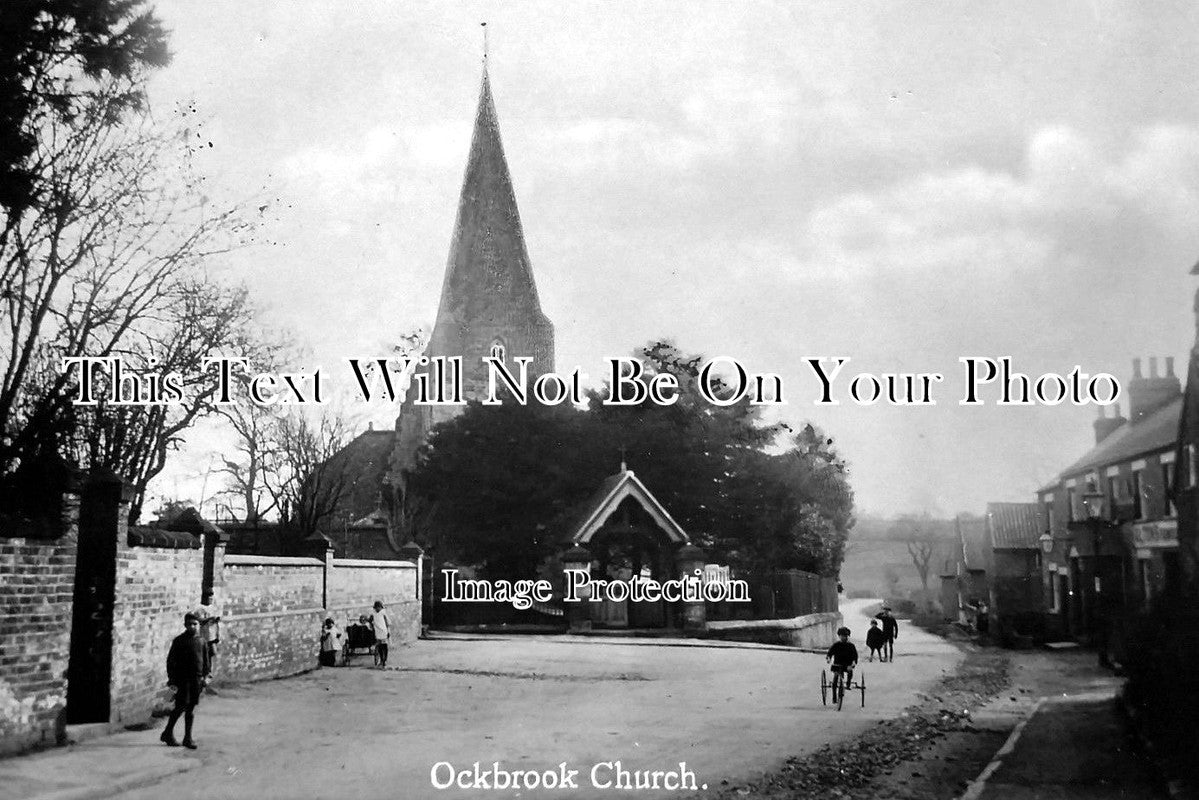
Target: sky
{"points": [[903, 184]]}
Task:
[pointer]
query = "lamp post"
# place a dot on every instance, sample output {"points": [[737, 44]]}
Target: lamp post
{"points": [[1093, 501]]}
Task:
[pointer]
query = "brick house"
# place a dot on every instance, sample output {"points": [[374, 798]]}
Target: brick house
{"points": [[964, 578], [1013, 531], [1096, 570], [1186, 478]]}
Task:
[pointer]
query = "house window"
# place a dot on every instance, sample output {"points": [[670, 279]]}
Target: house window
{"points": [[1190, 466], [1112, 496], [1146, 584], [1135, 486], [1056, 582], [1070, 504], [1168, 490], [1049, 516]]}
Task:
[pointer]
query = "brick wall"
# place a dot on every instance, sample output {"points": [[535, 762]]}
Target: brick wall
{"points": [[155, 587], [36, 584], [355, 584], [272, 608], [271, 611]]}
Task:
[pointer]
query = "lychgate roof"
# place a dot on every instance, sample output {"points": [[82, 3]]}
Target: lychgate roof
{"points": [[611, 493]]}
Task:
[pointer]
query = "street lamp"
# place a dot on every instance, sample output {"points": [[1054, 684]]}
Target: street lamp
{"points": [[1092, 501], [1046, 540]]}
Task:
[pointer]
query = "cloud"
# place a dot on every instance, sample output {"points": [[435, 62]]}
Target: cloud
{"points": [[1066, 206]]}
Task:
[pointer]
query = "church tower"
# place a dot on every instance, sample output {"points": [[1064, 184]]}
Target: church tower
{"points": [[489, 300]]}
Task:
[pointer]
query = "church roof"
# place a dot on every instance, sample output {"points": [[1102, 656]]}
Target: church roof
{"points": [[610, 494], [488, 273]]}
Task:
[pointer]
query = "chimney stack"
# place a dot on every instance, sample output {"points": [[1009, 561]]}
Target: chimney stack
{"points": [[1105, 426], [1146, 395]]}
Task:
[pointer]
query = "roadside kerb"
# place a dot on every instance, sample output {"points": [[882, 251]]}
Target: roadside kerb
{"points": [[976, 787], [1173, 786]]}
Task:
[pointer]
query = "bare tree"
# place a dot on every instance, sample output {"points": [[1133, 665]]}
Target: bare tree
{"points": [[922, 537], [111, 263], [312, 475], [256, 456]]}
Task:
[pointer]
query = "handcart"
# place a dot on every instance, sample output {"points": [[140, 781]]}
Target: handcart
{"points": [[360, 640]]}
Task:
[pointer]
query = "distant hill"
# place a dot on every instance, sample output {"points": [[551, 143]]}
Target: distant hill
{"points": [[877, 561]]}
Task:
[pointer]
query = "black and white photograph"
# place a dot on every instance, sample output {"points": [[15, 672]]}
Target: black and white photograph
{"points": [[712, 400]]}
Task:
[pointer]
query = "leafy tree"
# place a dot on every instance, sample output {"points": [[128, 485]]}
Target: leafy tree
{"points": [[500, 482], [59, 60]]}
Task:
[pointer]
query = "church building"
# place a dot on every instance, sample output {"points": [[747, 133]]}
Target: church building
{"points": [[489, 306]]}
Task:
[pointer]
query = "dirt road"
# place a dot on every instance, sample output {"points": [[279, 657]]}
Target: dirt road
{"points": [[536, 703]]}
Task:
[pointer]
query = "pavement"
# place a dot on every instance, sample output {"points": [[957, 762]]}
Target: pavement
{"points": [[730, 712], [1068, 742], [100, 767]]}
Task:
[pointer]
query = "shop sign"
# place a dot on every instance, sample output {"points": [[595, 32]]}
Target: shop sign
{"points": [[1163, 533]]}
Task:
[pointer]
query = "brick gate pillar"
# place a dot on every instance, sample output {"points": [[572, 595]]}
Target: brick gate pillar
{"points": [[578, 614], [693, 614]]}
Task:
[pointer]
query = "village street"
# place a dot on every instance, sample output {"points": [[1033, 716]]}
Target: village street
{"points": [[730, 712]]}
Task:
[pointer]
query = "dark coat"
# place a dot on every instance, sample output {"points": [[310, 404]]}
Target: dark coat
{"points": [[890, 625], [188, 661], [875, 638], [843, 654]]}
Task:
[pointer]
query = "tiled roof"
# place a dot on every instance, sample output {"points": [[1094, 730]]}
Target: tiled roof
{"points": [[1158, 431], [1013, 525], [972, 533]]}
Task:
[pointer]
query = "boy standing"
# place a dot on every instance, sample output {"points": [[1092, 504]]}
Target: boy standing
{"points": [[188, 667], [890, 632], [382, 627]]}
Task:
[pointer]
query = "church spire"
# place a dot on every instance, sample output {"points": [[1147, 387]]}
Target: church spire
{"points": [[489, 302], [488, 276]]}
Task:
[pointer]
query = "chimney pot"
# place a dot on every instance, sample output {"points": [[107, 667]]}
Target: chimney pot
{"points": [[1152, 366], [1170, 367], [1136, 369]]}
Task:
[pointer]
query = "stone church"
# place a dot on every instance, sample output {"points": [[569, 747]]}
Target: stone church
{"points": [[489, 301], [489, 306]]}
